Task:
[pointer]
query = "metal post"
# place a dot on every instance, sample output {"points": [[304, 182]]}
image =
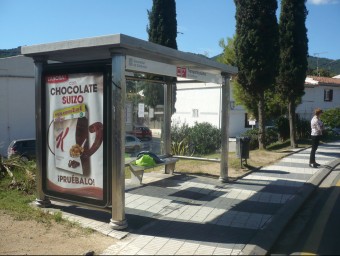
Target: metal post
{"points": [[39, 63], [117, 139], [167, 119], [225, 127]]}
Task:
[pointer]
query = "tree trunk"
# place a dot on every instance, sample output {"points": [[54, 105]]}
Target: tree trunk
{"points": [[292, 123], [262, 131]]}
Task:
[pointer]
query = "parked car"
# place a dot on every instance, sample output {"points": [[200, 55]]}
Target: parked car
{"points": [[132, 144], [142, 132], [24, 148]]}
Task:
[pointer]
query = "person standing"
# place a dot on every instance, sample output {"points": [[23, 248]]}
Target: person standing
{"points": [[317, 127]]}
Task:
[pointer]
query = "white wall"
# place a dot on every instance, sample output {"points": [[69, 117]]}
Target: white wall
{"points": [[314, 98], [208, 109], [17, 100], [208, 103]]}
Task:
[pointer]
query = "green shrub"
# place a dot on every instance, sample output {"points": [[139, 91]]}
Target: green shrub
{"points": [[180, 132], [331, 118], [303, 128], [271, 137], [253, 135], [202, 138], [282, 125], [205, 137], [181, 148]]}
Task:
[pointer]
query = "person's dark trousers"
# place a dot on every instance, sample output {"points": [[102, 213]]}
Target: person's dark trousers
{"points": [[315, 145]]}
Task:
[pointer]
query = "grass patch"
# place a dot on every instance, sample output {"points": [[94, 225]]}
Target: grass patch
{"points": [[285, 145], [17, 190], [257, 159], [58, 216], [17, 204], [16, 197]]}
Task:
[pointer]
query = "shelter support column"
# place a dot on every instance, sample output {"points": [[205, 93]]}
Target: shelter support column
{"points": [[167, 118], [225, 116], [39, 63], [117, 140]]}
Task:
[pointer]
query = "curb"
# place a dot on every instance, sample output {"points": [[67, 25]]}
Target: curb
{"points": [[265, 238]]}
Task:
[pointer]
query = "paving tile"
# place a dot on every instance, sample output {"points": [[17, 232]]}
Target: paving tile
{"points": [[191, 215], [205, 250], [115, 248], [222, 251], [129, 250], [236, 252], [153, 246], [140, 241], [118, 234], [171, 247], [188, 248]]}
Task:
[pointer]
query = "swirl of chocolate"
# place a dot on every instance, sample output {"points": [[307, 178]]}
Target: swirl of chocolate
{"points": [[97, 128]]}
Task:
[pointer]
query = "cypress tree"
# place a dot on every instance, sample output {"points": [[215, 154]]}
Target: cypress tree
{"points": [[256, 48], [293, 57], [162, 29]]}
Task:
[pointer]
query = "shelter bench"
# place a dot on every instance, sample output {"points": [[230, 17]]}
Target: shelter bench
{"points": [[137, 171]]}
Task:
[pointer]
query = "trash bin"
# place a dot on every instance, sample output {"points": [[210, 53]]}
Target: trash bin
{"points": [[242, 147]]}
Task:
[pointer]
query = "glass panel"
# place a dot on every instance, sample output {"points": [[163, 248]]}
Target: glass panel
{"points": [[141, 90]]}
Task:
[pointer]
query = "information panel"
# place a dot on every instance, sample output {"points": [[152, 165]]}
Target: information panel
{"points": [[74, 152], [159, 68]]}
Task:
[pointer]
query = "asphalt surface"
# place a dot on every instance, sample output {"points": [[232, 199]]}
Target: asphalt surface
{"points": [[185, 214]]}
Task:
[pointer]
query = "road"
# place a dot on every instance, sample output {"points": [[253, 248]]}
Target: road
{"points": [[316, 227]]}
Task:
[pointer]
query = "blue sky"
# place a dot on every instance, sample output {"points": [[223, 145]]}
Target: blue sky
{"points": [[201, 23]]}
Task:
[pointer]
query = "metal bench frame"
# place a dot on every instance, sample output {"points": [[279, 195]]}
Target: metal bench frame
{"points": [[137, 171]]}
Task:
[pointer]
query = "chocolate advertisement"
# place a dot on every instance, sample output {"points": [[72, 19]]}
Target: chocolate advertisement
{"points": [[75, 134]]}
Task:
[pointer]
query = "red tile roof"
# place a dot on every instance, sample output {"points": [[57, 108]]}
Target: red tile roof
{"points": [[323, 80]]}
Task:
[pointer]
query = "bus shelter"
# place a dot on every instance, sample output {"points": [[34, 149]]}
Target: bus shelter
{"points": [[80, 113]]}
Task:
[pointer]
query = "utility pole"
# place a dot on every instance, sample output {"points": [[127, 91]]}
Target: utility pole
{"points": [[317, 61]]}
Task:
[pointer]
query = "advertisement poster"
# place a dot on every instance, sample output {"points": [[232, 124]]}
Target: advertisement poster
{"points": [[75, 134]]}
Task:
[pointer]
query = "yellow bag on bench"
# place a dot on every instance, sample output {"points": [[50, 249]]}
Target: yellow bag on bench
{"points": [[145, 160]]}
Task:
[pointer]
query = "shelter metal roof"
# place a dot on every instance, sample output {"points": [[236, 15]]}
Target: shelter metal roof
{"points": [[101, 48]]}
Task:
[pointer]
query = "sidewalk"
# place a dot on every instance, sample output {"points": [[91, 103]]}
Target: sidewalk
{"points": [[185, 214]]}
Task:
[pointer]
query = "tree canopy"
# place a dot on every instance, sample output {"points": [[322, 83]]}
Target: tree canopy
{"points": [[256, 48], [274, 105], [256, 44], [293, 48], [293, 57], [162, 29]]}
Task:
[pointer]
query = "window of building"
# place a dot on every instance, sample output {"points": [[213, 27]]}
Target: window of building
{"points": [[195, 112], [246, 122], [328, 95]]}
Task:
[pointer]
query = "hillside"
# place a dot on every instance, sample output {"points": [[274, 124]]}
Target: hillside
{"points": [[333, 66], [10, 52]]}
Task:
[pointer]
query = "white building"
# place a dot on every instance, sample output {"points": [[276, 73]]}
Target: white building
{"points": [[320, 92], [195, 104], [17, 100]]}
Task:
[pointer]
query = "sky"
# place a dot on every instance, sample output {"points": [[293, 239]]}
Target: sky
{"points": [[201, 23]]}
